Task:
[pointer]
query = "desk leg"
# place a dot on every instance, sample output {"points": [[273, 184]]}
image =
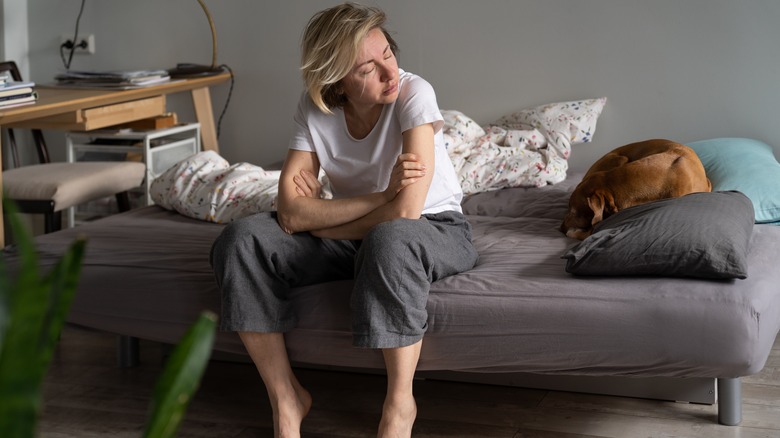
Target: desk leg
{"points": [[201, 100]]}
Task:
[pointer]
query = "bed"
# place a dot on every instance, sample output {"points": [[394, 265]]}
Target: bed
{"points": [[516, 318], [538, 310]]}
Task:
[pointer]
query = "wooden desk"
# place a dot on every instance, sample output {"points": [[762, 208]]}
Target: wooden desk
{"points": [[55, 105]]}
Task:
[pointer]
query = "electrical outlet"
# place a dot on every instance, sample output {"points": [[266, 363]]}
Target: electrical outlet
{"points": [[85, 45]]}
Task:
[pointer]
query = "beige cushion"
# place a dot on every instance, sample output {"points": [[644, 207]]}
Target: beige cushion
{"points": [[70, 184]]}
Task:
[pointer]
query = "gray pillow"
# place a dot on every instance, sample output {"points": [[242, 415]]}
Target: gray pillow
{"points": [[703, 235]]}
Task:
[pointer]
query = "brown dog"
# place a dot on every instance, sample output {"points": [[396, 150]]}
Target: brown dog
{"points": [[631, 175]]}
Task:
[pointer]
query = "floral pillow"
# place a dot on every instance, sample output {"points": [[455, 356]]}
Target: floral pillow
{"points": [[528, 148], [206, 187]]}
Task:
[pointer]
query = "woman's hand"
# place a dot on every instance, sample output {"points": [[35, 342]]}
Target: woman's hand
{"points": [[306, 184], [407, 171]]}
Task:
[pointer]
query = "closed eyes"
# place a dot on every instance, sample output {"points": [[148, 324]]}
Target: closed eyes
{"points": [[388, 55]]}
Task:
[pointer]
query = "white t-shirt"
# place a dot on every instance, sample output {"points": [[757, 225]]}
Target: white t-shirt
{"points": [[356, 167]]}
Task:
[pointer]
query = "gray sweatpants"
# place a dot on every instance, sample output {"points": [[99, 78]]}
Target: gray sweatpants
{"points": [[256, 264]]}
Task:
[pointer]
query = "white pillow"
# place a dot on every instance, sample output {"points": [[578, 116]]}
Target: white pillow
{"points": [[528, 148], [205, 186]]}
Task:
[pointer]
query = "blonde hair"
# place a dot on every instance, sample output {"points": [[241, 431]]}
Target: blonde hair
{"points": [[330, 48]]}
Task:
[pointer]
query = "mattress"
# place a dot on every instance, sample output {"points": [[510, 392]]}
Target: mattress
{"points": [[146, 274]]}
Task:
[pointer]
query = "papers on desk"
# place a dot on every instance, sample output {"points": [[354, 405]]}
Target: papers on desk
{"points": [[13, 93], [115, 80]]}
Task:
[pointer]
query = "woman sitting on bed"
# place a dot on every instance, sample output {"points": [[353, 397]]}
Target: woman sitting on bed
{"points": [[394, 223]]}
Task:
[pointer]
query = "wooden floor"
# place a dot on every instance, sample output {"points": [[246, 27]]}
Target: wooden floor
{"points": [[86, 395]]}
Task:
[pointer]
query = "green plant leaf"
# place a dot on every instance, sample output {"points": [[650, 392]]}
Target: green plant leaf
{"points": [[27, 277], [61, 285], [181, 377], [34, 310], [5, 297]]}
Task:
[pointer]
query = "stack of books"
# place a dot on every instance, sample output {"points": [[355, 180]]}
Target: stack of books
{"points": [[13, 93], [112, 79]]}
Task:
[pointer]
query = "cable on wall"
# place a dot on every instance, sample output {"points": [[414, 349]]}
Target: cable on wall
{"points": [[227, 101], [72, 45]]}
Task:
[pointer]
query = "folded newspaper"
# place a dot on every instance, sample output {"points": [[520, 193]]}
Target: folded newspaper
{"points": [[112, 79]]}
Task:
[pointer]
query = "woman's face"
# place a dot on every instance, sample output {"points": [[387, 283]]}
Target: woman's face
{"points": [[374, 77]]}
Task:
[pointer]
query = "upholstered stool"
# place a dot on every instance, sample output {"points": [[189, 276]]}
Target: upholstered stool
{"points": [[50, 188]]}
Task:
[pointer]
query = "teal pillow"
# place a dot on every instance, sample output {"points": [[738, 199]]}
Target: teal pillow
{"points": [[744, 165]]}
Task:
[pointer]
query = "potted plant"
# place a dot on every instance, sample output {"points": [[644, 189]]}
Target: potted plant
{"points": [[33, 308]]}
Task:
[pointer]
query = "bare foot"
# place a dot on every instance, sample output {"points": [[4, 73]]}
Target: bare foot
{"points": [[289, 414], [397, 419]]}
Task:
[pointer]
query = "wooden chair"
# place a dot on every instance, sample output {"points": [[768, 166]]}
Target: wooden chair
{"points": [[49, 188]]}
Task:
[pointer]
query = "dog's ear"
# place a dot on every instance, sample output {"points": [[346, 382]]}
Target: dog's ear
{"points": [[596, 203], [603, 205], [609, 204]]}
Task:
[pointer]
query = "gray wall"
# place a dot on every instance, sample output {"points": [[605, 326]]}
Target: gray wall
{"points": [[13, 38], [679, 69]]}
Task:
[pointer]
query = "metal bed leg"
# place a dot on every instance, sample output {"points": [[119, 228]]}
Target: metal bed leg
{"points": [[729, 401], [127, 351]]}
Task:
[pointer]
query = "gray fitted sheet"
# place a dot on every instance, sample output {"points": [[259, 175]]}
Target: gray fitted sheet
{"points": [[147, 274]]}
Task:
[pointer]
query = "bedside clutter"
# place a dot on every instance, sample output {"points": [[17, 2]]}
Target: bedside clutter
{"points": [[157, 149]]}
